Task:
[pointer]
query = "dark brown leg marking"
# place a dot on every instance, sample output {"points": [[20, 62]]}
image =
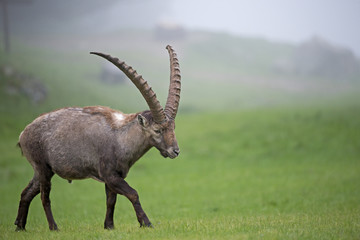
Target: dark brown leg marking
{"points": [[120, 186], [27, 195], [45, 187], [110, 207]]}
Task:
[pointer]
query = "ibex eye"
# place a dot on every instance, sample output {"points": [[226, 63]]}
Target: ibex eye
{"points": [[158, 131]]}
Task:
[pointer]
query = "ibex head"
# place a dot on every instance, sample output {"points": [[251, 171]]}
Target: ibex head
{"points": [[158, 124], [160, 135]]}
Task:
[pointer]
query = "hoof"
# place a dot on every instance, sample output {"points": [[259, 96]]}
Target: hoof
{"points": [[109, 227], [149, 225], [53, 228], [19, 229]]}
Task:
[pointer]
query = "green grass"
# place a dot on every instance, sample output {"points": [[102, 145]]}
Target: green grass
{"points": [[256, 162], [254, 174]]}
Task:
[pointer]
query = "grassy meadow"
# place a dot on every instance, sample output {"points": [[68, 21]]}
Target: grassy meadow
{"points": [[259, 160]]}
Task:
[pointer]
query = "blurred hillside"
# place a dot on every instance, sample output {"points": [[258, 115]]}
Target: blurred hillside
{"points": [[220, 72], [317, 57]]}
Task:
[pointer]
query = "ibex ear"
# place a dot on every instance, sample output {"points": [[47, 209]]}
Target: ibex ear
{"points": [[143, 121]]}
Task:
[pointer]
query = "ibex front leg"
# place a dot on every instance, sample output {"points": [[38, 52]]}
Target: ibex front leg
{"points": [[119, 185], [110, 207]]}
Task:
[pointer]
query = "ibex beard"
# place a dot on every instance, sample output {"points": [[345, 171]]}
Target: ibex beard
{"points": [[100, 143]]}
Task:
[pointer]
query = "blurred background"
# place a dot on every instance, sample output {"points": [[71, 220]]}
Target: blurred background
{"points": [[269, 105], [234, 54]]}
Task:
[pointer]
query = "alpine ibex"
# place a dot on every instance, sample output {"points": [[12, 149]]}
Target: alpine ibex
{"points": [[100, 143]]}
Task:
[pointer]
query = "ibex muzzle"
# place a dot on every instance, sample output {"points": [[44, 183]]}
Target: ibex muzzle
{"points": [[100, 143]]}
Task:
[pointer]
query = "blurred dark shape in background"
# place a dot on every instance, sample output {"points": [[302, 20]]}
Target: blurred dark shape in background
{"points": [[5, 20], [19, 83], [169, 31], [111, 74]]}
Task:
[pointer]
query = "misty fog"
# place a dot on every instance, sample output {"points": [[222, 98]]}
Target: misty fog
{"points": [[252, 51], [278, 20]]}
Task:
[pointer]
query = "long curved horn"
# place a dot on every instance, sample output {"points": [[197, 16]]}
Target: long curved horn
{"points": [[144, 88], [172, 103]]}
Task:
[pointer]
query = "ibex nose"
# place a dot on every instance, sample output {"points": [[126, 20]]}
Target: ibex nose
{"points": [[176, 151]]}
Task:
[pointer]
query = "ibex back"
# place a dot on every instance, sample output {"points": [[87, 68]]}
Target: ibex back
{"points": [[100, 143]]}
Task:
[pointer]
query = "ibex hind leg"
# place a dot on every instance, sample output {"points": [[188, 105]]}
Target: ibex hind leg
{"points": [[27, 195]]}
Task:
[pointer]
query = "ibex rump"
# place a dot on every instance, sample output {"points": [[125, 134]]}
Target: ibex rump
{"points": [[101, 143]]}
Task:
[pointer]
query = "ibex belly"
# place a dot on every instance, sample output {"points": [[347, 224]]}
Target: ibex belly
{"points": [[71, 141], [72, 158]]}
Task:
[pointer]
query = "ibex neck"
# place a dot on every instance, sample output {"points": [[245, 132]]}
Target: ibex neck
{"points": [[133, 144]]}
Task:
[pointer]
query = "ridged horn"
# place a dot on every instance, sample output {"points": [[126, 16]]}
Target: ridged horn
{"points": [[172, 103], [144, 88]]}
